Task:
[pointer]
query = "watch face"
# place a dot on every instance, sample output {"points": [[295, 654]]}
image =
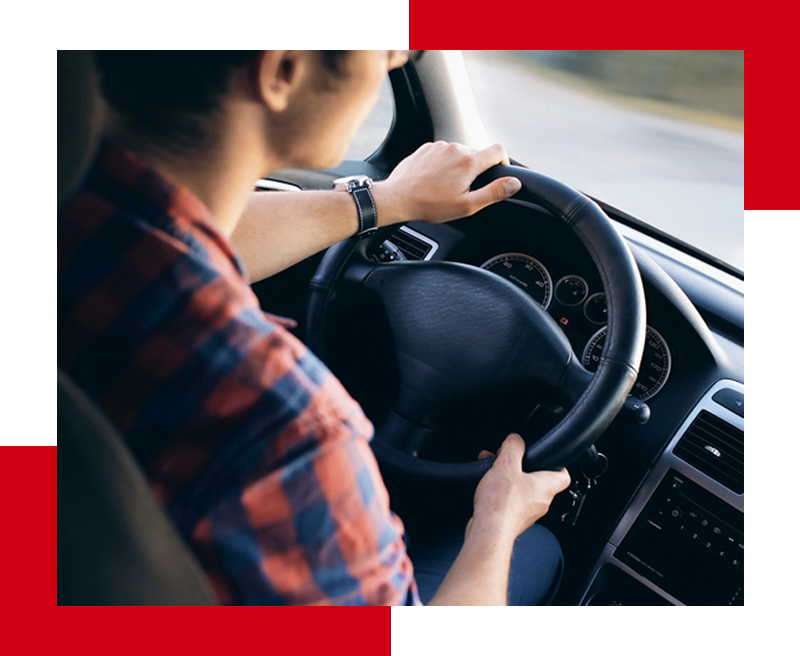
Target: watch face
{"points": [[352, 182]]}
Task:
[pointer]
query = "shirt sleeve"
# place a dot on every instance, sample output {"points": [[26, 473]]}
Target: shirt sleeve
{"points": [[305, 518], [319, 532]]}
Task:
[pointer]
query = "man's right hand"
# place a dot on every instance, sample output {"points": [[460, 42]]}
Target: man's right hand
{"points": [[508, 500]]}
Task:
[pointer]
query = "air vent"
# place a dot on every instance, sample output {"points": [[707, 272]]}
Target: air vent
{"points": [[716, 448], [413, 245]]}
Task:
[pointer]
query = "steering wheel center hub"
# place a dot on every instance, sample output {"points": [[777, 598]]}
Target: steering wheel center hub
{"points": [[458, 330]]}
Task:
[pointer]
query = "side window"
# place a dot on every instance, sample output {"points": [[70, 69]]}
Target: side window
{"points": [[374, 130]]}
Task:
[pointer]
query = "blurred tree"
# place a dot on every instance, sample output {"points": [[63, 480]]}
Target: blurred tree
{"points": [[710, 80]]}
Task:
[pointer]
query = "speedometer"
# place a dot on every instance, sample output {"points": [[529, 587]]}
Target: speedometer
{"points": [[656, 362], [525, 272]]}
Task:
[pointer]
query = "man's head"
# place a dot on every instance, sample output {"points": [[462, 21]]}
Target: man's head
{"points": [[301, 107]]}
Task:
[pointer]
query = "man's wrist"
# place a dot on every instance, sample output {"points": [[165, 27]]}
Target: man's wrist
{"points": [[479, 575], [390, 205], [490, 530]]}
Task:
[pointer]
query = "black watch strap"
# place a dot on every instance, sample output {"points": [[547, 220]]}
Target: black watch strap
{"points": [[367, 212]]}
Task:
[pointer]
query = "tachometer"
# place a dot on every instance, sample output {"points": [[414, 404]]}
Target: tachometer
{"points": [[525, 272], [656, 362]]}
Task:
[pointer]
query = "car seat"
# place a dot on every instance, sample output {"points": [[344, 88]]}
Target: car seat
{"points": [[116, 546]]}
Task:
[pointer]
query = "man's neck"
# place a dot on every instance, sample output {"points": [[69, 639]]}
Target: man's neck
{"points": [[222, 177]]}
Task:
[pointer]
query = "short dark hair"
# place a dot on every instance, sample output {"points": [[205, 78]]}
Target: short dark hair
{"points": [[168, 96]]}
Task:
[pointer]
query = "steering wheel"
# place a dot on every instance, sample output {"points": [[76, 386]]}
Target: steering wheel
{"points": [[458, 329]]}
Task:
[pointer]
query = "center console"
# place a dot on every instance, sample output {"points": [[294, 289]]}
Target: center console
{"points": [[681, 540]]}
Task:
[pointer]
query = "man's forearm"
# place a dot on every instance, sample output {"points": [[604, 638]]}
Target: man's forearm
{"points": [[279, 229], [479, 576]]}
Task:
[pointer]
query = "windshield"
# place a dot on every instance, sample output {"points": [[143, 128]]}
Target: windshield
{"points": [[658, 134]]}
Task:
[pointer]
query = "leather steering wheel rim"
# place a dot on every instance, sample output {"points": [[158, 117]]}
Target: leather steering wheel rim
{"points": [[598, 398]]}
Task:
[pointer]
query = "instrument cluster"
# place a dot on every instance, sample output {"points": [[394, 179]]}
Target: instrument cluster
{"points": [[580, 309]]}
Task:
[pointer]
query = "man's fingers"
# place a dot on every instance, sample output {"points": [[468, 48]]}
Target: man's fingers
{"points": [[511, 450], [493, 192], [496, 190], [560, 480], [489, 156], [564, 479], [485, 454]]}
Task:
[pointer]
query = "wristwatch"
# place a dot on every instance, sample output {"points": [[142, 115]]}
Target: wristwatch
{"points": [[358, 186]]}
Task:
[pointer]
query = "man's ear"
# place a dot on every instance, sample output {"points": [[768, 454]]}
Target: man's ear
{"points": [[278, 75]]}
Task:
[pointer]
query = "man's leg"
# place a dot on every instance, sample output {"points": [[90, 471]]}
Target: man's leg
{"points": [[536, 566]]}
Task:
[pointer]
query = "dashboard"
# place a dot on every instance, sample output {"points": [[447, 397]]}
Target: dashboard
{"points": [[680, 540]]}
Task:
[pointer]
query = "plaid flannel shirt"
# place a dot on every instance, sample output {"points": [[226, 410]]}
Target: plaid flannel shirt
{"points": [[255, 450]]}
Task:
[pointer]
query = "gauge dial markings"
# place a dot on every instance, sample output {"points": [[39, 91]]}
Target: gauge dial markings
{"points": [[528, 273], [656, 362]]}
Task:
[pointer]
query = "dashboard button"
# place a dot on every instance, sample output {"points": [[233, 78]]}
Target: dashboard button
{"points": [[731, 399]]}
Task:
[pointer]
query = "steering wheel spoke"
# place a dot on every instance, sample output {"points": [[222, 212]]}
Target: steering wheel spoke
{"points": [[403, 434], [575, 382]]}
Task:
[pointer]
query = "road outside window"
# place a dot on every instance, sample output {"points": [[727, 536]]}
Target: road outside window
{"points": [[656, 133]]}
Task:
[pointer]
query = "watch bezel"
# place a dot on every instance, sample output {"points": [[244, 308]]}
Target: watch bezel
{"points": [[352, 182]]}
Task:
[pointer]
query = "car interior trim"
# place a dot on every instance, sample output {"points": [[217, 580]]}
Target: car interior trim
{"points": [[423, 238], [268, 184], [668, 461]]}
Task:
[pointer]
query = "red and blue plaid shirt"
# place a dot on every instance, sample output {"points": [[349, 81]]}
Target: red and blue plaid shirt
{"points": [[256, 451]]}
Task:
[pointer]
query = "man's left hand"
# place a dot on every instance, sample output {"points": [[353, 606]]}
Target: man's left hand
{"points": [[433, 184]]}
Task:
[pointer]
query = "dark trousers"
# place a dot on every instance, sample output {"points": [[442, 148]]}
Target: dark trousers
{"points": [[536, 567]]}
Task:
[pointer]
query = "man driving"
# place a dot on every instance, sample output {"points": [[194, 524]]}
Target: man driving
{"points": [[255, 450]]}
